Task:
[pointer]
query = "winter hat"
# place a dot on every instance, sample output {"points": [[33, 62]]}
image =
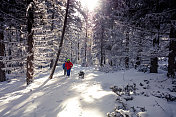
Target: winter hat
{"points": [[68, 59]]}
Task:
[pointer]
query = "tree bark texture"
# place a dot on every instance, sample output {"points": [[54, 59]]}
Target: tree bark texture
{"points": [[154, 65], [2, 52], [127, 50], [154, 60], [138, 62], [101, 48], [86, 42], [172, 53], [61, 42], [78, 52], [30, 42]]}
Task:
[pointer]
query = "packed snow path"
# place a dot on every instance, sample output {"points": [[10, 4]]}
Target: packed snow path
{"points": [[59, 97], [89, 97]]}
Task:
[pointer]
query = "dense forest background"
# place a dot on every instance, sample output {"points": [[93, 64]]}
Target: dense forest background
{"points": [[119, 34]]}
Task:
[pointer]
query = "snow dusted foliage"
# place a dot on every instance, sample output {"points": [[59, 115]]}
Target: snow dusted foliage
{"points": [[47, 31], [44, 32], [77, 43], [126, 34], [13, 38], [15, 52], [130, 92], [72, 43], [111, 37], [132, 33]]}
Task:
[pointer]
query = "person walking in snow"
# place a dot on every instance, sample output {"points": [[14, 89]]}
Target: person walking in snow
{"points": [[68, 66], [64, 68]]}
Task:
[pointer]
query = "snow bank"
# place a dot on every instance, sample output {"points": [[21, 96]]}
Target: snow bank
{"points": [[123, 93]]}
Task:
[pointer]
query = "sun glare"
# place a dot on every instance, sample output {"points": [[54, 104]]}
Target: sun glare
{"points": [[90, 4]]}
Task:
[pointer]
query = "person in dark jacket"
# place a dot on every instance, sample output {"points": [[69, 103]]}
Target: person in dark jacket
{"points": [[68, 66], [64, 68]]}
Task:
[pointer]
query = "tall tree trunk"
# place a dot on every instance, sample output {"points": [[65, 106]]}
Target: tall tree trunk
{"points": [[2, 52], [172, 53], [71, 52], [104, 58], [101, 53], [85, 51], [154, 60], [127, 50], [138, 58], [154, 65], [10, 31], [61, 42], [78, 52], [101, 48], [86, 38], [138, 62], [30, 57]]}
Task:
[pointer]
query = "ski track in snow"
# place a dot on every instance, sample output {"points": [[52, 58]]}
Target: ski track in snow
{"points": [[74, 97]]}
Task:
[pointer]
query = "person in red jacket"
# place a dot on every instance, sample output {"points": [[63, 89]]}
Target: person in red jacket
{"points": [[68, 66]]}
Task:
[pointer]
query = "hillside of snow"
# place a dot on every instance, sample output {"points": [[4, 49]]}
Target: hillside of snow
{"points": [[99, 94]]}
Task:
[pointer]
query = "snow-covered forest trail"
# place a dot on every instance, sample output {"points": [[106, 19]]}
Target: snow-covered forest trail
{"points": [[60, 96], [89, 97]]}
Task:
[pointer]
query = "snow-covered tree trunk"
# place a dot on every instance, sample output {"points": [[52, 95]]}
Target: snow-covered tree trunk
{"points": [[85, 56], [71, 52], [30, 42], [2, 52], [154, 60], [61, 42], [10, 48], [154, 65], [78, 56], [172, 53], [101, 46], [127, 50], [138, 58]]}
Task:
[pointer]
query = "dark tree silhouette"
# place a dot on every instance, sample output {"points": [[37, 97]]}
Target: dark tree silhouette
{"points": [[2, 52], [30, 58], [61, 42]]}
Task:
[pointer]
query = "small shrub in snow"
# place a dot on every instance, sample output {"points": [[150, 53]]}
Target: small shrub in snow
{"points": [[127, 90], [125, 94], [143, 68], [128, 98], [146, 87], [173, 89], [128, 95], [141, 108], [146, 81], [165, 95], [141, 84]]}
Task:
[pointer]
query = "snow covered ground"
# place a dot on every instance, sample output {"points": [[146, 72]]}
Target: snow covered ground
{"points": [[89, 97]]}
